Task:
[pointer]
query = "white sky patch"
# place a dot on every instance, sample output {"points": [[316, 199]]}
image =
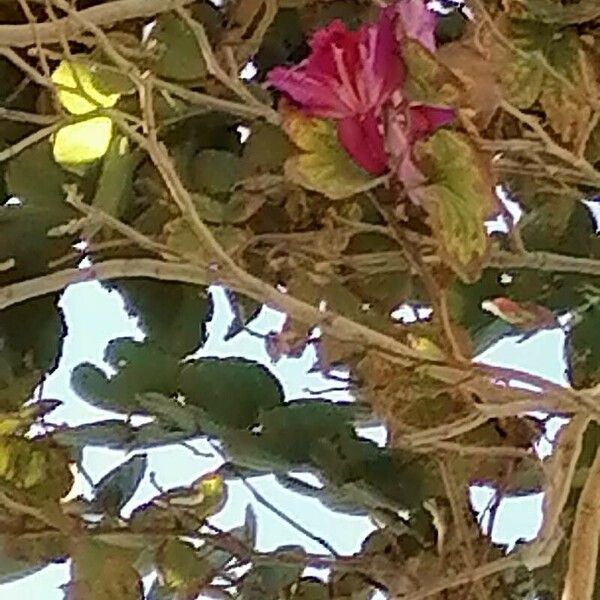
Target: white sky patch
{"points": [[405, 313], [244, 133], [499, 224], [147, 31], [594, 208], [512, 206], [249, 71], [85, 263], [410, 313]]}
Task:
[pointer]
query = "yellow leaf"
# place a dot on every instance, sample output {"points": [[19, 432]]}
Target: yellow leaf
{"points": [[324, 166], [83, 142], [424, 345], [204, 497], [85, 97], [458, 199], [35, 467]]}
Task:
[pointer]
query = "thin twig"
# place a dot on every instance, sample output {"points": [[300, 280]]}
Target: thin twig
{"points": [[26, 142], [551, 146], [21, 36], [260, 498], [457, 500]]}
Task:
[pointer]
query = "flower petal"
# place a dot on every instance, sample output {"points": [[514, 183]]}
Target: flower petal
{"points": [[417, 22], [424, 119], [362, 139], [316, 95]]}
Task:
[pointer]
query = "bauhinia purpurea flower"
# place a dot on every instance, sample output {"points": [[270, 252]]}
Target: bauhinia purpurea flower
{"points": [[356, 78]]}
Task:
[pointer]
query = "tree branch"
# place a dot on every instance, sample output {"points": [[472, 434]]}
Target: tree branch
{"points": [[545, 261], [21, 291], [585, 538], [21, 36]]}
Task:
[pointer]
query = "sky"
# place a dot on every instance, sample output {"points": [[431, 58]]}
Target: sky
{"points": [[94, 316]]}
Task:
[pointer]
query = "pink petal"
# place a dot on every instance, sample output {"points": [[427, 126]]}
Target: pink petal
{"points": [[417, 22], [386, 60], [424, 119], [317, 95], [348, 73], [336, 34], [409, 174], [361, 138]]}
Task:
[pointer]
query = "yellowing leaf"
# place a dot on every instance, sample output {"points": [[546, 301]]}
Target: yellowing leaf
{"points": [[566, 102], [324, 166], [102, 572], [204, 497], [182, 568], [428, 80], [428, 348], [458, 199], [35, 467], [85, 97], [83, 142], [521, 75], [552, 66], [18, 422]]}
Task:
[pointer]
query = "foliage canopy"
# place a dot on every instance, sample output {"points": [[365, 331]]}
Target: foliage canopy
{"points": [[384, 138]]}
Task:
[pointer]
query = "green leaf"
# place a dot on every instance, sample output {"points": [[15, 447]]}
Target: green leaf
{"points": [[21, 556], [215, 171], [270, 581], [582, 350], [291, 430], [33, 334], [182, 569], [115, 183], [563, 93], [101, 572], [177, 55], [311, 588], [324, 166], [112, 433], [232, 391], [35, 177], [450, 27], [117, 487], [265, 151], [592, 149], [179, 330], [458, 199], [24, 238], [283, 38], [141, 368], [561, 13]]}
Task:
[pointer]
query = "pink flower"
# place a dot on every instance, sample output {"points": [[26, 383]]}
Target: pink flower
{"points": [[348, 73], [350, 76]]}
